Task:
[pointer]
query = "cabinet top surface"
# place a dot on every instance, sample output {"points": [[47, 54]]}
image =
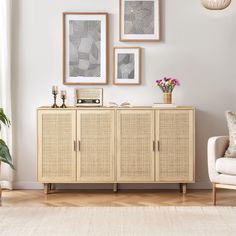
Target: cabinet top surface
{"points": [[119, 108]]}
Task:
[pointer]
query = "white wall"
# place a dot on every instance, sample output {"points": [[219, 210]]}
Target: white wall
{"points": [[198, 47]]}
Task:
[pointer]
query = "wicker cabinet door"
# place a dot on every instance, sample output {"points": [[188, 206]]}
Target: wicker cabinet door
{"points": [[175, 139], [96, 146], [56, 154], [135, 152]]}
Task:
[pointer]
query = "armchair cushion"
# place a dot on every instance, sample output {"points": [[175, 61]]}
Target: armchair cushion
{"points": [[226, 166], [231, 120], [216, 149]]}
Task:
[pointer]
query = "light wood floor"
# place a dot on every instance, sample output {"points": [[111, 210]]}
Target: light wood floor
{"points": [[101, 198]]}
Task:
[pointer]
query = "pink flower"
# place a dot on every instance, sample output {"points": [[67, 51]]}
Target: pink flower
{"points": [[175, 82], [167, 85]]}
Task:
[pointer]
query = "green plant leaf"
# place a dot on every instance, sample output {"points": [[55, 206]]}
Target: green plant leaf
{"points": [[4, 119], [5, 155]]}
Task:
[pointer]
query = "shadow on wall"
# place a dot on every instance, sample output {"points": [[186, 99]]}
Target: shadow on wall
{"points": [[208, 125], [163, 20]]}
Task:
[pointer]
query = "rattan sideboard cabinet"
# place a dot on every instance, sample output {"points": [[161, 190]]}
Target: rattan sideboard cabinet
{"points": [[116, 145]]}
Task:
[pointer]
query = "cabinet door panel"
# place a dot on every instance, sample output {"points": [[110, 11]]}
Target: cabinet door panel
{"points": [[175, 134], [56, 154], [135, 155], [96, 154]]}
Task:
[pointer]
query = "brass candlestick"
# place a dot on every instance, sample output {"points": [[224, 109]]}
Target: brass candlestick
{"points": [[55, 92], [63, 97]]}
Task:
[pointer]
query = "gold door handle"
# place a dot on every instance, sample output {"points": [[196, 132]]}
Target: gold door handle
{"points": [[75, 146], [153, 146], [158, 146], [78, 145]]}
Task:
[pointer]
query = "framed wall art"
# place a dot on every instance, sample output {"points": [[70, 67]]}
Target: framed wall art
{"points": [[85, 48], [126, 65], [139, 20]]}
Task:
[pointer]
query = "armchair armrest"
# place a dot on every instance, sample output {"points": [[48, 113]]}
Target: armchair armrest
{"points": [[215, 149]]}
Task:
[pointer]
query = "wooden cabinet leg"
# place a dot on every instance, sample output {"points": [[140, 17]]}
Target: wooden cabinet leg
{"points": [[0, 193], [180, 188], [214, 193], [184, 188], [46, 188], [115, 187]]}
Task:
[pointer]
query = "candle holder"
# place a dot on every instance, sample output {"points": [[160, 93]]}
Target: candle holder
{"points": [[63, 97], [54, 92]]}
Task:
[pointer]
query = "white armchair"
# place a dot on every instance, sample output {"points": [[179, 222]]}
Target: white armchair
{"points": [[222, 170]]}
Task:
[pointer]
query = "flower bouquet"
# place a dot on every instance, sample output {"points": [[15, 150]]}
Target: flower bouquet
{"points": [[167, 86]]}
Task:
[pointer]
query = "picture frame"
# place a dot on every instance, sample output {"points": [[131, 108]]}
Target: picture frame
{"points": [[139, 20], [85, 48], [127, 65]]}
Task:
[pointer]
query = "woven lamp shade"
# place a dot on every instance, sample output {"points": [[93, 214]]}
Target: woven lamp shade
{"points": [[216, 4]]}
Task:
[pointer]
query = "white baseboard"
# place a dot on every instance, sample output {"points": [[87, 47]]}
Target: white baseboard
{"points": [[27, 185], [36, 185]]}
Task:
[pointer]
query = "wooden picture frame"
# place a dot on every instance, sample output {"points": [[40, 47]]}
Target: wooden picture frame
{"points": [[139, 20], [85, 48], [127, 65]]}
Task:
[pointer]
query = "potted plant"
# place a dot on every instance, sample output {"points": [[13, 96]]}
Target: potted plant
{"points": [[167, 86], [5, 155]]}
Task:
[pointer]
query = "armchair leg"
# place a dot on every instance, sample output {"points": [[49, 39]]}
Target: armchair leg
{"points": [[214, 193]]}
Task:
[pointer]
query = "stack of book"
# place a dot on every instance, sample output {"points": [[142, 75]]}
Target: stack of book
{"points": [[124, 104], [164, 105]]}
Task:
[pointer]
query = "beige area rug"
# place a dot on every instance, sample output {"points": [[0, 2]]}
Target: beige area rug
{"points": [[122, 221]]}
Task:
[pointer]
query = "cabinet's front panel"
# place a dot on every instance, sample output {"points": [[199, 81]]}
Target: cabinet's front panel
{"points": [[96, 145], [175, 134], [56, 154], [135, 155]]}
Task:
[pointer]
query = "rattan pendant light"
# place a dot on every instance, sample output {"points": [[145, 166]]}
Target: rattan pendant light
{"points": [[216, 4]]}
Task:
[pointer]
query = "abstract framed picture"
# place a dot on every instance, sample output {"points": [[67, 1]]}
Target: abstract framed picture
{"points": [[85, 48], [139, 20], [126, 65]]}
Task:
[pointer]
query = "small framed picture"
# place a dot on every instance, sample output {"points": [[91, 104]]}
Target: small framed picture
{"points": [[126, 65], [85, 48], [139, 20]]}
